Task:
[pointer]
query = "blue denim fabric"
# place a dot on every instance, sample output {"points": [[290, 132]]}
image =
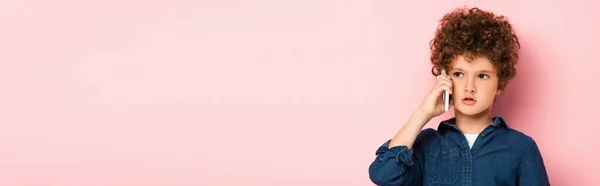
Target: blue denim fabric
{"points": [[500, 156]]}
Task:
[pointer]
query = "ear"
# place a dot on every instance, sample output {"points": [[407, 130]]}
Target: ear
{"points": [[498, 92]]}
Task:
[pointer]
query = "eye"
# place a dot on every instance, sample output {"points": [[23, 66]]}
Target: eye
{"points": [[483, 76], [457, 74]]}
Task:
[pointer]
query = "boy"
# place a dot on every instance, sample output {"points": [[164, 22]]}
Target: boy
{"points": [[478, 50]]}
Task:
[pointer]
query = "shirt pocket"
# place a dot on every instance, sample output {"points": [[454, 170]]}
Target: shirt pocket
{"points": [[443, 165]]}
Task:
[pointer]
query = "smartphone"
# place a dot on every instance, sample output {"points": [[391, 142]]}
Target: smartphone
{"points": [[446, 96]]}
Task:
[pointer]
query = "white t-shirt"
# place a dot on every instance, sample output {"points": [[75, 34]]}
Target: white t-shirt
{"points": [[471, 139]]}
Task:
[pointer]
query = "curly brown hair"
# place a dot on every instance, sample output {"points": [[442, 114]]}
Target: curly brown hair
{"points": [[473, 33]]}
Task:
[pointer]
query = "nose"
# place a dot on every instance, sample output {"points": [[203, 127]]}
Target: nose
{"points": [[470, 87]]}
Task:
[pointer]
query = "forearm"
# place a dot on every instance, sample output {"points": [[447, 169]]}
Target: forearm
{"points": [[408, 133]]}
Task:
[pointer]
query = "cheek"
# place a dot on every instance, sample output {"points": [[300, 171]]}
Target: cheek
{"points": [[457, 84], [490, 91]]}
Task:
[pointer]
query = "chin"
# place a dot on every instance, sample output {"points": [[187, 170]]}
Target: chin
{"points": [[470, 110]]}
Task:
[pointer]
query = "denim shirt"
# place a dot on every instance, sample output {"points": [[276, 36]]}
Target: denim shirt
{"points": [[500, 156]]}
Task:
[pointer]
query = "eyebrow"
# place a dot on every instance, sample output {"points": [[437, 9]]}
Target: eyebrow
{"points": [[484, 71]]}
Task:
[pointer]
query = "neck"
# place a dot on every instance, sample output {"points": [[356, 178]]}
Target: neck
{"points": [[473, 124]]}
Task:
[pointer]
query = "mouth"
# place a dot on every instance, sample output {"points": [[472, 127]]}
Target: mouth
{"points": [[469, 101]]}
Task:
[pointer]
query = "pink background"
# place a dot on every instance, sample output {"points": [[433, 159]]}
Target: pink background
{"points": [[128, 93]]}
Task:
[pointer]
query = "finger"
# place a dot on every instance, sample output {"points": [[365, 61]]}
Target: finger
{"points": [[445, 80], [446, 83], [436, 91], [441, 88], [445, 77]]}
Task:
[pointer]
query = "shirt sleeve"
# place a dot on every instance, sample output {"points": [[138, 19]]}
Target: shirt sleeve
{"points": [[398, 165], [532, 170]]}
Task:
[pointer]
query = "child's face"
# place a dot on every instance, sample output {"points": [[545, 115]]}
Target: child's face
{"points": [[474, 85]]}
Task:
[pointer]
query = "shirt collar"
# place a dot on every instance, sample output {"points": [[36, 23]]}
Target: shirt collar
{"points": [[498, 123]]}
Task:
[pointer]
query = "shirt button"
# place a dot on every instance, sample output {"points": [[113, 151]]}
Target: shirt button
{"points": [[468, 161], [482, 135], [443, 152]]}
